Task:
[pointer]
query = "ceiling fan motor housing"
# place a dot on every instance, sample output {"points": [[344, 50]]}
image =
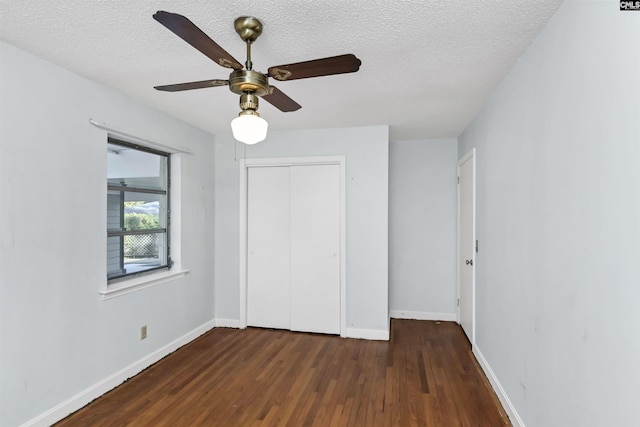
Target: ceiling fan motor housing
{"points": [[249, 81]]}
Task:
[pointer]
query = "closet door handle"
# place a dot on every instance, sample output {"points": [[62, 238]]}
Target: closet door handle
{"points": [[469, 262]]}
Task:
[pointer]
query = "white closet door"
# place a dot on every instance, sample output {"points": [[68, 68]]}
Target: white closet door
{"points": [[315, 248], [268, 247]]}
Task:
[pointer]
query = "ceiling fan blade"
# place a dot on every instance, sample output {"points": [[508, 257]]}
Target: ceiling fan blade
{"points": [[318, 67], [282, 102], [192, 85], [193, 35]]}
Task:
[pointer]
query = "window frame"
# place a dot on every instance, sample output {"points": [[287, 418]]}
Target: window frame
{"points": [[121, 279]]}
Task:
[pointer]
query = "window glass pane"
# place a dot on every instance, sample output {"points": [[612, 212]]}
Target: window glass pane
{"points": [[144, 211], [133, 168], [135, 253], [144, 251], [131, 211]]}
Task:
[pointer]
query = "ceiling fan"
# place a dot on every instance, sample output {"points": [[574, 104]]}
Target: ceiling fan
{"points": [[244, 80]]}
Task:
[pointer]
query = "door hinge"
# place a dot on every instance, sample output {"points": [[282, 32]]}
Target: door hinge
{"points": [[458, 180], [476, 246], [458, 302]]}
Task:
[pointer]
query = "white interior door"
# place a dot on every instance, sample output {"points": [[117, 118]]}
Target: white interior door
{"points": [[466, 244], [315, 248], [268, 247]]}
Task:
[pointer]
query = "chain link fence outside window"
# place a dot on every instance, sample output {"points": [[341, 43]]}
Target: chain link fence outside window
{"points": [[141, 246]]}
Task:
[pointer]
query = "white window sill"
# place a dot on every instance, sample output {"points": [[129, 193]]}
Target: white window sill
{"points": [[139, 283]]}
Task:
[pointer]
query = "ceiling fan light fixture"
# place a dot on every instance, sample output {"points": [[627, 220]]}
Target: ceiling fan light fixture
{"points": [[249, 127]]}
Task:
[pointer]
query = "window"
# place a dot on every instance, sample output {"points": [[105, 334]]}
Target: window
{"points": [[137, 210]]}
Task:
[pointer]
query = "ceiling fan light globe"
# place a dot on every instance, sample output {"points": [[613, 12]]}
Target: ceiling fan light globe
{"points": [[249, 128]]}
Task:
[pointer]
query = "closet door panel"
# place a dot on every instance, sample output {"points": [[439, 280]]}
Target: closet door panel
{"points": [[315, 248], [268, 247]]}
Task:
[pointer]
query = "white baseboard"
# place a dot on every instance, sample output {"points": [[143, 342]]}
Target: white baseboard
{"points": [[228, 323], [367, 334], [81, 399], [497, 387], [423, 315]]}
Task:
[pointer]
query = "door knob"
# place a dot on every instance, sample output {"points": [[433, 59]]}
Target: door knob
{"points": [[469, 262]]}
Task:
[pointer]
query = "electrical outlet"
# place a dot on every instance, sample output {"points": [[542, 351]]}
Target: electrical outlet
{"points": [[143, 332]]}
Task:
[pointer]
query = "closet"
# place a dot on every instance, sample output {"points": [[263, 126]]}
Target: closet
{"points": [[293, 247]]}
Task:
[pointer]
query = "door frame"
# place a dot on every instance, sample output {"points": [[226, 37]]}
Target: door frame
{"points": [[245, 164], [469, 156]]}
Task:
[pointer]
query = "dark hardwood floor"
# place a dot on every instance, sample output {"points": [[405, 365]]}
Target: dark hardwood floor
{"points": [[425, 375]]}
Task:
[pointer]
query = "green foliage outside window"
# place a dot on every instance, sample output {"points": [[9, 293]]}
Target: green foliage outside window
{"points": [[138, 221]]}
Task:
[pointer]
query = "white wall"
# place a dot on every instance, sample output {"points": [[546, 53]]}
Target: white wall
{"points": [[422, 228], [58, 337], [367, 168], [558, 220]]}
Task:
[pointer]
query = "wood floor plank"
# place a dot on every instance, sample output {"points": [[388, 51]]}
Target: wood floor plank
{"points": [[426, 375]]}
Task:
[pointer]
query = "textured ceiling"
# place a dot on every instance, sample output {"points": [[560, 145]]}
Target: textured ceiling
{"points": [[427, 65]]}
